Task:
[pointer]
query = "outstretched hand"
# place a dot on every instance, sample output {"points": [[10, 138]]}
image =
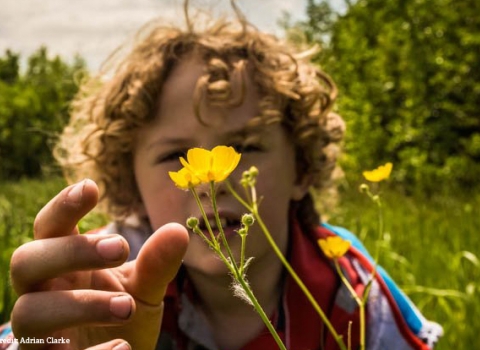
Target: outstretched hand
{"points": [[79, 287]]}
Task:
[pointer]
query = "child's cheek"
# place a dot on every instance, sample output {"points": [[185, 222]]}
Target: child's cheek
{"points": [[170, 206]]}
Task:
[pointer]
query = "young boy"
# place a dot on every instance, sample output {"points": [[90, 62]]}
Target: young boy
{"points": [[227, 84]]}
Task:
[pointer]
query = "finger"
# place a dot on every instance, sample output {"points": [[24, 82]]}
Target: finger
{"points": [[38, 261], [61, 215], [157, 263], [117, 344], [42, 313]]}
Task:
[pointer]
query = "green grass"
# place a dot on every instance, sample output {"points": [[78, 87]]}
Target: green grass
{"points": [[430, 248], [19, 204]]}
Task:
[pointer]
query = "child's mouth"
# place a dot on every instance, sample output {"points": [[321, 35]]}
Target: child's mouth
{"points": [[229, 225]]}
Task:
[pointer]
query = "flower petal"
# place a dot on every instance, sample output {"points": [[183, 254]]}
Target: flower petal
{"points": [[200, 163], [184, 178], [199, 159], [225, 160], [381, 173], [334, 247], [204, 166]]}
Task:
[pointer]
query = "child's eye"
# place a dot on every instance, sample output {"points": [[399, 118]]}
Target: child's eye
{"points": [[172, 156], [247, 148]]}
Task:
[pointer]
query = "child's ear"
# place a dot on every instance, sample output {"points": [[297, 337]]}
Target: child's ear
{"points": [[301, 186]]}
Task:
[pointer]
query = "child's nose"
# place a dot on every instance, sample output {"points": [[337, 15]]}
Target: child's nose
{"points": [[204, 190], [221, 188]]}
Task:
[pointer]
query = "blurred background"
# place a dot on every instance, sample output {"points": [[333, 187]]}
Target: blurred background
{"points": [[408, 72]]}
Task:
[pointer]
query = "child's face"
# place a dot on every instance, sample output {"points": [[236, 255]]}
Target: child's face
{"points": [[176, 129]]}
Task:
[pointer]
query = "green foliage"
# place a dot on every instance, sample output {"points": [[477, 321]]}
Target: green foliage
{"points": [[18, 208], [430, 248], [20, 201], [408, 73], [33, 109], [9, 67]]}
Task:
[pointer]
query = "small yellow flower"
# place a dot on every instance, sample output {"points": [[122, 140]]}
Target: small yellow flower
{"points": [[184, 179], [379, 174], [334, 247], [215, 165]]}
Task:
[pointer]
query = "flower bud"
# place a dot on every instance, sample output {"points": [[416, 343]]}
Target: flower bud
{"points": [[242, 232], [192, 222], [249, 177], [253, 171], [363, 188], [244, 182], [248, 220]]}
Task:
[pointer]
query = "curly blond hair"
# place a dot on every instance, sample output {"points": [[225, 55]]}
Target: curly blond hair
{"points": [[98, 141]]}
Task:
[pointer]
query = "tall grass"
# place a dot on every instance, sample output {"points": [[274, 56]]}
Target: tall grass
{"points": [[19, 204], [430, 248]]}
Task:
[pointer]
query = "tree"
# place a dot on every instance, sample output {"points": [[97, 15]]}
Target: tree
{"points": [[9, 67], [33, 109], [409, 78]]}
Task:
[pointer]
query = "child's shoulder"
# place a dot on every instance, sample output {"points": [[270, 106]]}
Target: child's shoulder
{"points": [[393, 316]]}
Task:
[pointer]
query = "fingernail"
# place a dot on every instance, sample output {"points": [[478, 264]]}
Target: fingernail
{"points": [[76, 192], [110, 249], [121, 306], [123, 346]]}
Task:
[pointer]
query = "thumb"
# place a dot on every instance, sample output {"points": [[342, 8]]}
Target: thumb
{"points": [[157, 263]]}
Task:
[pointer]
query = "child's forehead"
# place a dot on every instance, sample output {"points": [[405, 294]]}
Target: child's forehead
{"points": [[186, 70], [194, 65], [190, 86]]}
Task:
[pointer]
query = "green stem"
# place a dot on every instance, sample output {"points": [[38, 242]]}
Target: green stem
{"points": [[347, 283], [349, 339], [298, 280], [362, 326], [378, 202], [237, 197], [205, 218], [376, 199], [219, 224], [254, 210], [380, 230], [262, 313], [360, 302], [242, 254], [238, 274]]}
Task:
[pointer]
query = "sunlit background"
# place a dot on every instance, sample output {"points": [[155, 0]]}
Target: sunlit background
{"points": [[408, 76], [94, 28]]}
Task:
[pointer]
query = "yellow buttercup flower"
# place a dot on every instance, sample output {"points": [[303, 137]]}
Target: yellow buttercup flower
{"points": [[334, 247], [184, 178], [379, 174], [215, 165]]}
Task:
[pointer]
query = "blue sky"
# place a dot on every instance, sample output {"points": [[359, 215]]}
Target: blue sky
{"points": [[93, 28]]}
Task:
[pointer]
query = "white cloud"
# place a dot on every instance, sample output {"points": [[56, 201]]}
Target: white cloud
{"points": [[94, 28]]}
